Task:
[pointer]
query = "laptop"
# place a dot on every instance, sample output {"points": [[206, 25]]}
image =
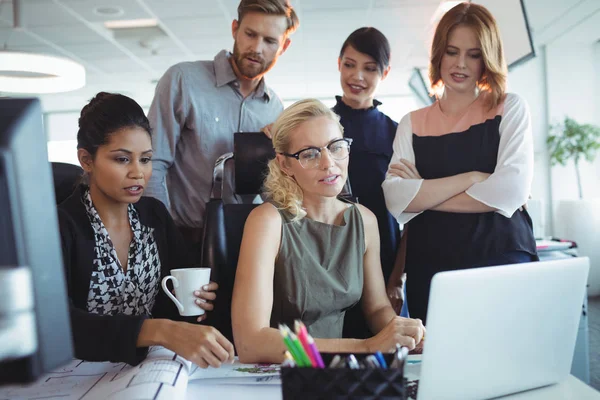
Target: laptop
{"points": [[500, 330]]}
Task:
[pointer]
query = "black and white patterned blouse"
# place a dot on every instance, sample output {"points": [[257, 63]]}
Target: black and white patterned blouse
{"points": [[113, 291]]}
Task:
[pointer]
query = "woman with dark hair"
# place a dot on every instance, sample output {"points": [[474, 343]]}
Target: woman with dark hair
{"points": [[462, 167], [117, 246], [364, 62]]}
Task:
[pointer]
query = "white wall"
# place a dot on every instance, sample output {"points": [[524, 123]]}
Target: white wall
{"points": [[528, 80], [573, 85], [564, 79]]}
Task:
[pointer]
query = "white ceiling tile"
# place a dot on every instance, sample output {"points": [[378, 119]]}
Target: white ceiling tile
{"points": [[116, 65], [320, 5], [198, 27], [185, 8], [67, 34], [36, 13], [94, 50], [85, 9], [14, 39]]}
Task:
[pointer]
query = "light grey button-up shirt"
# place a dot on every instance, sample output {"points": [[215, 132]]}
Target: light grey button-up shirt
{"points": [[197, 108]]}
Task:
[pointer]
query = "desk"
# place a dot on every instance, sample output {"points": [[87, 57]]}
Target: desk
{"points": [[571, 389]]}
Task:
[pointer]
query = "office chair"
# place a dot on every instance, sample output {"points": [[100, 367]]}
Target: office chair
{"points": [[66, 178], [224, 221]]}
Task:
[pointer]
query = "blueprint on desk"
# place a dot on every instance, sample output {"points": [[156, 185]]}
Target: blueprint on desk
{"points": [[163, 375]]}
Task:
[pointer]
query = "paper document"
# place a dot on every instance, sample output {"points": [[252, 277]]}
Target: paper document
{"points": [[163, 375]]}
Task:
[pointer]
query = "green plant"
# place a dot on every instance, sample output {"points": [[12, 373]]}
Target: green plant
{"points": [[573, 141]]}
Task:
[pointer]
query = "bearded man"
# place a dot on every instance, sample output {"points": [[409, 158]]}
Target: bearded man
{"points": [[199, 105]]}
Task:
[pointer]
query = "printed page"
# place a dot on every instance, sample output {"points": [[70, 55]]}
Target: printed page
{"points": [[162, 376], [412, 372], [237, 373]]}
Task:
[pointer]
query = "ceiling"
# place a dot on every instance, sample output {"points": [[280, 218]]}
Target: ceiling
{"points": [[130, 62]]}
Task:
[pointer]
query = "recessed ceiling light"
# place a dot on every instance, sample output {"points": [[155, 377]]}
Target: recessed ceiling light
{"points": [[131, 23], [109, 11]]}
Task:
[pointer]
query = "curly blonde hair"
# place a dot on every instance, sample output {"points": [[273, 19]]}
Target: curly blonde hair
{"points": [[279, 187], [478, 18]]}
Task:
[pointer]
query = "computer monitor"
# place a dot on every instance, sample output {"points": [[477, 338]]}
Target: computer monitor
{"points": [[35, 330]]}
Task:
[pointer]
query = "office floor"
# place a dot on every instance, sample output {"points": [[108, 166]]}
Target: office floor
{"points": [[594, 330]]}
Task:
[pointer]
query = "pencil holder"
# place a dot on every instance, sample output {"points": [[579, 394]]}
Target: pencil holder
{"points": [[343, 383]]}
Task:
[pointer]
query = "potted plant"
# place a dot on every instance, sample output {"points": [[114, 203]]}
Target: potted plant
{"points": [[578, 220], [573, 141]]}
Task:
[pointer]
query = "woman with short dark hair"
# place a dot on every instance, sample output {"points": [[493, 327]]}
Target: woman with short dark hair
{"points": [[364, 62]]}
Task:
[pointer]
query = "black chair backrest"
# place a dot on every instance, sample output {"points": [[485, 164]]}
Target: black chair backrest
{"points": [[224, 223], [223, 229], [252, 151], [66, 177]]}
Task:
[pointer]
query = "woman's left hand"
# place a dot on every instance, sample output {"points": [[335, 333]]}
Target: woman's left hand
{"points": [[205, 296], [404, 169]]}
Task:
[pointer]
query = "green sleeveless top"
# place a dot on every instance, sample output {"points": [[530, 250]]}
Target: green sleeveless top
{"points": [[318, 272]]}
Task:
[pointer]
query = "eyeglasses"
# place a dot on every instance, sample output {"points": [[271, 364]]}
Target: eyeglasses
{"points": [[310, 157]]}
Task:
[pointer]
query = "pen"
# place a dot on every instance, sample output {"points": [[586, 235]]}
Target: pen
{"points": [[381, 360], [289, 360], [290, 346], [352, 362], [303, 337], [315, 351], [309, 345], [299, 349]]}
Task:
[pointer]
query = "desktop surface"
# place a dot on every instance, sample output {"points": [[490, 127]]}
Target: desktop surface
{"points": [[571, 388]]}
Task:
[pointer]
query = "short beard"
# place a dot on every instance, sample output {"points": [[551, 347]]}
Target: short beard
{"points": [[247, 73]]}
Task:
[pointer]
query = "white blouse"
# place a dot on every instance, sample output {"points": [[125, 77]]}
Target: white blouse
{"points": [[506, 189]]}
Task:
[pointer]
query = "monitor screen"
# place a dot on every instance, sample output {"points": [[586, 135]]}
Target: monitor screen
{"points": [[29, 240]]}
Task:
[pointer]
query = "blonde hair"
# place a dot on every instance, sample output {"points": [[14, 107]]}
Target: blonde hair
{"points": [[279, 187], [483, 24], [271, 7]]}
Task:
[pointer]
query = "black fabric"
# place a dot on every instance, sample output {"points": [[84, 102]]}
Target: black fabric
{"points": [[442, 241], [66, 177], [373, 135], [112, 338]]}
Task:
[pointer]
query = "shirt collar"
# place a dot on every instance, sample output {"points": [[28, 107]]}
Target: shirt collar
{"points": [[341, 106], [139, 234], [224, 75]]}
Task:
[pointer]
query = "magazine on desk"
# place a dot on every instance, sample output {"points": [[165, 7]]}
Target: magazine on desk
{"points": [[163, 375]]}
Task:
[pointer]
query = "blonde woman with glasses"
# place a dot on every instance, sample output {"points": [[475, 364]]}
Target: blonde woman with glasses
{"points": [[308, 255]]}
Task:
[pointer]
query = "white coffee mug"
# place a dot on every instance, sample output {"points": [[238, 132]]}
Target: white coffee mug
{"points": [[185, 282]]}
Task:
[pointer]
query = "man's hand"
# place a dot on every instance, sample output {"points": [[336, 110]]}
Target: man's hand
{"points": [[267, 131]]}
